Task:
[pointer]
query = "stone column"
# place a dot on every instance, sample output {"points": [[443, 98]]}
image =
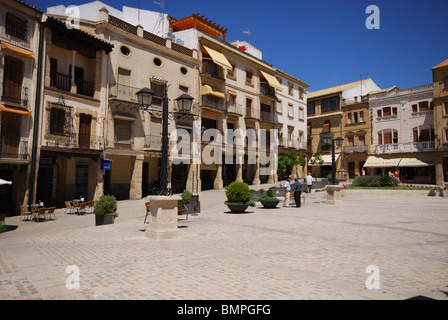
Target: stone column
{"points": [[439, 169], [73, 88], [218, 184], [239, 172], [136, 180]]}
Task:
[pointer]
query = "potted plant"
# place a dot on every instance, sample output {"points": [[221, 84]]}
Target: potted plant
{"points": [[238, 197], [105, 210], [268, 200], [186, 199]]}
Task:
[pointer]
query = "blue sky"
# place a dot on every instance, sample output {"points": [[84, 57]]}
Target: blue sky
{"points": [[326, 42]]}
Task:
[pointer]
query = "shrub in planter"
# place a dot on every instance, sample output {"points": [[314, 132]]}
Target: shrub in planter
{"points": [[366, 181], [238, 197], [387, 181], [268, 200], [105, 210]]}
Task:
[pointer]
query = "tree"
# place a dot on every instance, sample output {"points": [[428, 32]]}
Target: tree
{"points": [[316, 159], [288, 161]]}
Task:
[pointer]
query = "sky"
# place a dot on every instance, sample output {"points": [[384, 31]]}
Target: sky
{"points": [[325, 42]]}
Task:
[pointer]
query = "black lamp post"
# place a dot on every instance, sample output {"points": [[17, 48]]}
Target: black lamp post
{"points": [[144, 97], [338, 142]]}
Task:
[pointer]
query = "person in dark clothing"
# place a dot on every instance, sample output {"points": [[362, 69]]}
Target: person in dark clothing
{"points": [[297, 192]]}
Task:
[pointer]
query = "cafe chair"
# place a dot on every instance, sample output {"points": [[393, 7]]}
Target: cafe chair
{"points": [[25, 213], [90, 205], [81, 208], [49, 212], [40, 213], [69, 207]]}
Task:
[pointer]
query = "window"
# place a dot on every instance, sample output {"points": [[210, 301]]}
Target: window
{"points": [[423, 106], [330, 104], [351, 141], [57, 121], [380, 137], [387, 112], [290, 89], [379, 113], [311, 108], [183, 89], [349, 118], [125, 51], [300, 139], [326, 126], [123, 130], [290, 110], [362, 140], [232, 73], [249, 76], [12, 79], [423, 133], [361, 116], [301, 114], [446, 83], [159, 90], [232, 99], [355, 117], [16, 26], [445, 109], [414, 108], [157, 62], [248, 107], [394, 111], [279, 106], [301, 93], [388, 136]]}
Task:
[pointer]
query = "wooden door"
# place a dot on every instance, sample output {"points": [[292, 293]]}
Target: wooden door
{"points": [[85, 122], [10, 137], [12, 79]]}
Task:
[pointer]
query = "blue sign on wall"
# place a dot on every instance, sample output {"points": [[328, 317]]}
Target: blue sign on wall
{"points": [[105, 164]]}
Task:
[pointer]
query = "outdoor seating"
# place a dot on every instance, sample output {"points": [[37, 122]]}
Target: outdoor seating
{"points": [[25, 213], [69, 207], [49, 212], [81, 208], [148, 210], [40, 213]]}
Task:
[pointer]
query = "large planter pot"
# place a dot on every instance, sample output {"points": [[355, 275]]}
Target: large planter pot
{"points": [[103, 219], [237, 208], [269, 203]]}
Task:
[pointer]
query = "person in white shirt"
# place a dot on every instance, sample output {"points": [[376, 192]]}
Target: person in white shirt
{"points": [[309, 182], [287, 193]]}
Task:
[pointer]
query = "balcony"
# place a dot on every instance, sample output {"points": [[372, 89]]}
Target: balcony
{"points": [[268, 116], [16, 95], [405, 147], [153, 142], [252, 114], [357, 149], [213, 102], [123, 92], [75, 141], [268, 91], [235, 109], [212, 70], [63, 82], [13, 148]]}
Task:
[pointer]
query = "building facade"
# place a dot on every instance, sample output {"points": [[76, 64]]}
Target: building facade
{"points": [[331, 114], [440, 86], [403, 134], [19, 40]]}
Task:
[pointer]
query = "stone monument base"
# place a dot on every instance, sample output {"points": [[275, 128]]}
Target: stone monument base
{"points": [[333, 194], [163, 218]]}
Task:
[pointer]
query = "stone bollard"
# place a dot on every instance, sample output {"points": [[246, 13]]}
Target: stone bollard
{"points": [[163, 218], [333, 194]]}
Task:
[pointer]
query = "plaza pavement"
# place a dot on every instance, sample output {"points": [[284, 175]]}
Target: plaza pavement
{"points": [[319, 251]]}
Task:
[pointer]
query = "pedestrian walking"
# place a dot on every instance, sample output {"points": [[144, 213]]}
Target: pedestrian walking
{"points": [[287, 193], [309, 182], [297, 192]]}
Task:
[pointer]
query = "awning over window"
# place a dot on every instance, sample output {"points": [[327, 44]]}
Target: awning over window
{"points": [[219, 58], [375, 162], [12, 48], [273, 82], [327, 160], [15, 110], [206, 89]]}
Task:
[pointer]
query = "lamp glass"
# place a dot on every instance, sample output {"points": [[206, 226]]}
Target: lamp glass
{"points": [[339, 141], [144, 97], [184, 103]]}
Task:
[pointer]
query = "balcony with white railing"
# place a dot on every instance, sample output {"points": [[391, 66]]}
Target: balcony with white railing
{"points": [[405, 147], [353, 149]]}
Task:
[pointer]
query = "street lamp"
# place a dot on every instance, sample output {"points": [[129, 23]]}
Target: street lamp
{"points": [[338, 141], [144, 98]]}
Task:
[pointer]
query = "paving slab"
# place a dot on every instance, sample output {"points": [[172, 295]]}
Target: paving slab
{"points": [[318, 251]]}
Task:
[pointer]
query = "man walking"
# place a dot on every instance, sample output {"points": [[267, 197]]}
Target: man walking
{"points": [[309, 182], [287, 193], [297, 192]]}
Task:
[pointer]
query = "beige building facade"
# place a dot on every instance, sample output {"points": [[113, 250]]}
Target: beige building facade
{"points": [[440, 86]]}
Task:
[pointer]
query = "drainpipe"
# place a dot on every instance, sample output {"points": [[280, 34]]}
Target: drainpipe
{"points": [[33, 171]]}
